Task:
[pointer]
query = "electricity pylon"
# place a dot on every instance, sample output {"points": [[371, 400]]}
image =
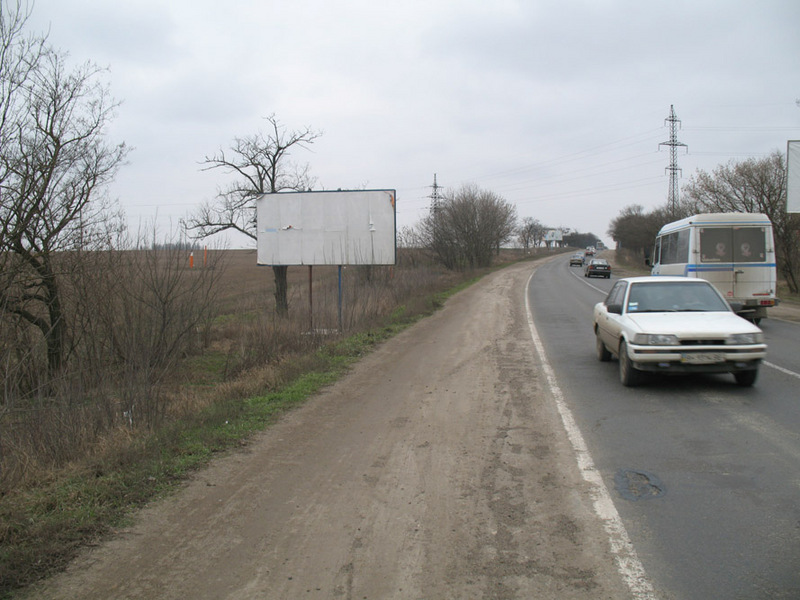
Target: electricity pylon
{"points": [[673, 169], [436, 196]]}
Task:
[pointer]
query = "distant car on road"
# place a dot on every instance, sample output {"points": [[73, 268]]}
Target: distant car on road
{"points": [[675, 325], [576, 259], [597, 267]]}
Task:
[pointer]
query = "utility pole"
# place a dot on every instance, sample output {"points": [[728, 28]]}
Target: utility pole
{"points": [[673, 169]]}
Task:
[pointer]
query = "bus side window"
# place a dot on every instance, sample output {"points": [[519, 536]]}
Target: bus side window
{"points": [[683, 246], [669, 249]]}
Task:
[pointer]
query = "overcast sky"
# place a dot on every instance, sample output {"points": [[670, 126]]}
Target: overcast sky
{"points": [[558, 106]]}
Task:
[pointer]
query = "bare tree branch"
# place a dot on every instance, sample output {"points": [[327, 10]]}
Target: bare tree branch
{"points": [[259, 164]]}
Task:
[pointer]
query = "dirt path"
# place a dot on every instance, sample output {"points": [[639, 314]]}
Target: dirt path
{"points": [[438, 468]]}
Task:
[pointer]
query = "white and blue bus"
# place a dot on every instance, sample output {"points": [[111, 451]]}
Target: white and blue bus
{"points": [[733, 251]]}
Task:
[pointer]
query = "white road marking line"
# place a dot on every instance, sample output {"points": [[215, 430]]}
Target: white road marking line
{"points": [[628, 563], [781, 369]]}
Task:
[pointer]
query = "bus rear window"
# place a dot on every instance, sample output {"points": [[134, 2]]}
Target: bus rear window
{"points": [[715, 244], [733, 244], [749, 244]]}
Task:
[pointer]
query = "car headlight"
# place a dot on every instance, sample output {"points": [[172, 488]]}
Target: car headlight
{"points": [[746, 338], [655, 339]]}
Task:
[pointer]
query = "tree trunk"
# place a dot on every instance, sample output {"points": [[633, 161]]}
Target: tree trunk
{"points": [[281, 290], [54, 328]]}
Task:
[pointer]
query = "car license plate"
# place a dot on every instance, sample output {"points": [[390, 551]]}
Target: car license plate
{"points": [[702, 358]]}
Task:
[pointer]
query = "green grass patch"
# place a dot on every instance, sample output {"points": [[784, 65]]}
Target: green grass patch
{"points": [[209, 367]]}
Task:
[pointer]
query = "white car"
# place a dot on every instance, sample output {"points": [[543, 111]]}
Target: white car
{"points": [[675, 325]]}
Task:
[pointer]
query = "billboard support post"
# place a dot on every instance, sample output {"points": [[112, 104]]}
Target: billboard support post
{"points": [[310, 300], [340, 299]]}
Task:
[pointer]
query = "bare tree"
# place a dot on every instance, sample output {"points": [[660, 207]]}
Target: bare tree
{"points": [[469, 227], [54, 164], [260, 165], [531, 233], [753, 185]]}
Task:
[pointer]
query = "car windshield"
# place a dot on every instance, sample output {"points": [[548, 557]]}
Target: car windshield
{"points": [[674, 297]]}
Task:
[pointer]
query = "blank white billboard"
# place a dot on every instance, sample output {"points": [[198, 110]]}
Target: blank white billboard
{"points": [[354, 227], [793, 176]]}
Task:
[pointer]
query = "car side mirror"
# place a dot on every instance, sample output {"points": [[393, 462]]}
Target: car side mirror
{"points": [[736, 306], [614, 308], [647, 262]]}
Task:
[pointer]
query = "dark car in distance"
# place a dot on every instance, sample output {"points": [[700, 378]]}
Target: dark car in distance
{"points": [[597, 267]]}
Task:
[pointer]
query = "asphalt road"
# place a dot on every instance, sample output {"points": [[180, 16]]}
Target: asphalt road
{"points": [[704, 474]]}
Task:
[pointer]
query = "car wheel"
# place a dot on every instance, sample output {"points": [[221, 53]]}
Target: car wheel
{"points": [[627, 374], [746, 378], [603, 355]]}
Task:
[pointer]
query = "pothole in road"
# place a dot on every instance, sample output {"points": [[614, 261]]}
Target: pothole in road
{"points": [[638, 485]]}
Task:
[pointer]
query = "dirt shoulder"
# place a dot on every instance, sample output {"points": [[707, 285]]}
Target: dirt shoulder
{"points": [[438, 468]]}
